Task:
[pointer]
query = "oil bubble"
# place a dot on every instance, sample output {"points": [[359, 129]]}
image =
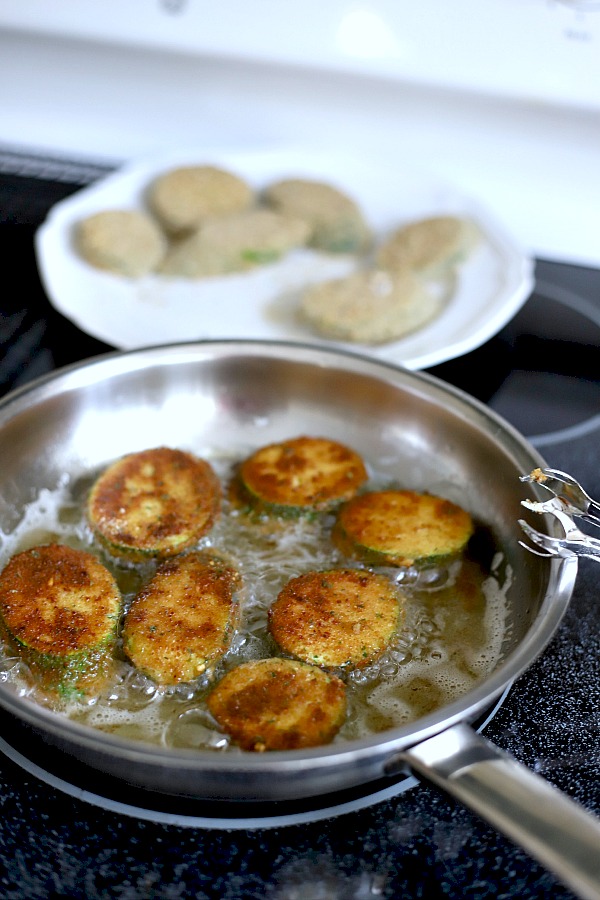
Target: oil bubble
{"points": [[194, 728]]}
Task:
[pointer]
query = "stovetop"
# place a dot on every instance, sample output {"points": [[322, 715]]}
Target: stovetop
{"points": [[542, 373]]}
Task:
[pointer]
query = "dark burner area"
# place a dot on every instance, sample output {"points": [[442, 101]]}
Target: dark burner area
{"points": [[542, 373]]}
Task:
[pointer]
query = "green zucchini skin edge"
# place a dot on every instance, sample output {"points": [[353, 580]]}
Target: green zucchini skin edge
{"points": [[71, 676], [373, 557]]}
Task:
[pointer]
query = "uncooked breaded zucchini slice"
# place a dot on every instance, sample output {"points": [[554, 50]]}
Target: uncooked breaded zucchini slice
{"points": [[61, 607], [154, 503], [340, 617], [237, 243], [370, 306], [401, 528], [336, 222], [430, 246], [279, 704], [301, 474], [182, 619], [184, 197], [124, 241]]}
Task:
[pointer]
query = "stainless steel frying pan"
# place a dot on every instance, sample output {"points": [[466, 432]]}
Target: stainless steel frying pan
{"points": [[227, 394]]}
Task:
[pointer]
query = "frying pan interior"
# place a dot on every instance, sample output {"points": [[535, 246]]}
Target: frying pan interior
{"points": [[217, 396]]}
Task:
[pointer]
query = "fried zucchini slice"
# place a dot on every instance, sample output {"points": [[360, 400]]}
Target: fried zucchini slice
{"points": [[182, 619], [279, 704], [335, 618], [61, 609], [154, 503], [401, 528], [301, 475]]}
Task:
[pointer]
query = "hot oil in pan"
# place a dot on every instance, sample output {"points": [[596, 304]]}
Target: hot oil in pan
{"points": [[451, 636]]}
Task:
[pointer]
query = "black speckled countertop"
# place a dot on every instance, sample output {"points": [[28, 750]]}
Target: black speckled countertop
{"points": [[419, 843]]}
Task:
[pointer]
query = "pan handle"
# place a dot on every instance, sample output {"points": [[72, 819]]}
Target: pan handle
{"points": [[551, 827]]}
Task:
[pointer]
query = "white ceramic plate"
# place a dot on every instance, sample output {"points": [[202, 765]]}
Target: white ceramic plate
{"points": [[492, 284]]}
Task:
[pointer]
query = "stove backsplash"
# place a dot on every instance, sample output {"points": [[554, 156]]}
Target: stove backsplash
{"points": [[497, 98]]}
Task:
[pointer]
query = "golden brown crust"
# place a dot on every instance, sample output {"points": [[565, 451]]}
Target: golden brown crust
{"points": [[58, 601], [156, 502], [279, 704], [401, 527], [340, 617], [538, 476], [304, 473], [181, 620]]}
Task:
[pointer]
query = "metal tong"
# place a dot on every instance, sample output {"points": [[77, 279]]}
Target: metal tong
{"points": [[568, 500]]}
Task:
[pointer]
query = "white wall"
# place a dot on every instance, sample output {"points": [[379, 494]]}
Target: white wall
{"points": [[536, 164]]}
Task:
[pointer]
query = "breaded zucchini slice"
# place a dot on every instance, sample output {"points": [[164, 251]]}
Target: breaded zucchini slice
{"points": [[336, 221], [61, 608], [183, 198], [300, 475], [154, 503], [371, 306], [124, 241], [182, 619], [340, 617], [279, 704], [401, 528], [235, 244], [430, 246]]}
